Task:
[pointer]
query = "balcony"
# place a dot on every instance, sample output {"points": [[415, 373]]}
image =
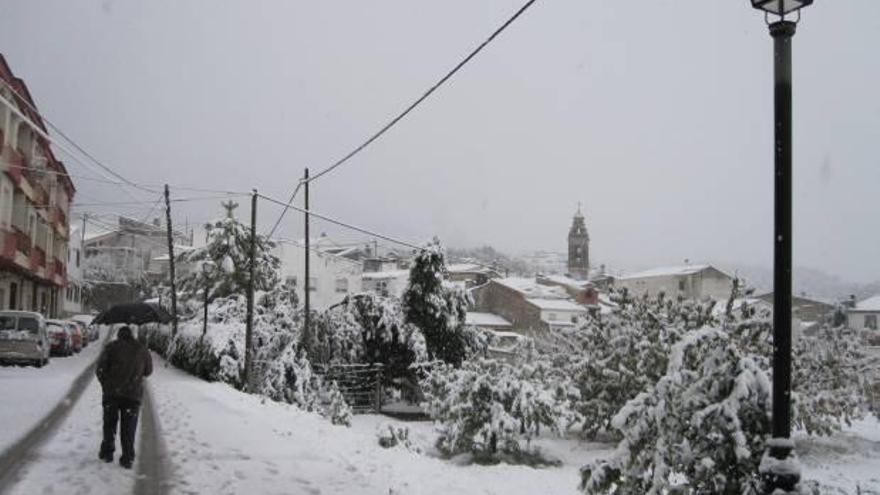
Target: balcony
{"points": [[57, 272], [38, 258], [22, 242], [59, 218], [15, 171], [8, 244]]}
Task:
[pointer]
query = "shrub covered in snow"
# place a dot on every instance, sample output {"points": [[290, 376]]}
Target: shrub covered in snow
{"points": [[437, 308], [701, 428], [368, 329], [487, 407], [390, 435], [832, 375], [615, 357]]}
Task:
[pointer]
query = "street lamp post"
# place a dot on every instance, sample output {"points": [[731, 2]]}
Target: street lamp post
{"points": [[778, 468], [207, 271]]}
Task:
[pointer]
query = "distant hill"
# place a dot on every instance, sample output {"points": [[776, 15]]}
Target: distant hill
{"points": [[807, 281]]}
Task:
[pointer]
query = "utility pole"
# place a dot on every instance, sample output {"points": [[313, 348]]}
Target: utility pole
{"points": [[82, 242], [306, 335], [249, 328], [171, 261]]}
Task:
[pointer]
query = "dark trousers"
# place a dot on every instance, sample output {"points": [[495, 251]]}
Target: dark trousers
{"points": [[124, 413]]}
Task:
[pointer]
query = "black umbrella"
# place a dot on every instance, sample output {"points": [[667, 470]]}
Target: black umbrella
{"points": [[133, 313]]}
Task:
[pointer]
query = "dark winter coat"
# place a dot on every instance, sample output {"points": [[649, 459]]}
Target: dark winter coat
{"points": [[122, 367]]}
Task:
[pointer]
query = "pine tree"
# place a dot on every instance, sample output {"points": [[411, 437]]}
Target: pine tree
{"points": [[437, 308], [228, 248]]}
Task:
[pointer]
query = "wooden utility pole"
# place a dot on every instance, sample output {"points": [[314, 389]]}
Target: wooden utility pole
{"points": [[306, 335], [82, 243], [252, 263], [171, 261]]}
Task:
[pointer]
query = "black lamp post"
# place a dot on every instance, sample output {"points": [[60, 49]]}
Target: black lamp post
{"points": [[207, 271], [776, 469]]}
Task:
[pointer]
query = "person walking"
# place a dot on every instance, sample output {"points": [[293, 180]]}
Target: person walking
{"points": [[121, 369]]}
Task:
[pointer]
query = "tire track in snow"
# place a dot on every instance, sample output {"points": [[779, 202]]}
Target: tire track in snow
{"points": [[24, 450], [152, 470]]}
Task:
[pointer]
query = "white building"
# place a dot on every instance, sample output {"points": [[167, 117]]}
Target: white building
{"points": [[865, 315], [390, 283], [558, 313], [72, 303], [689, 281], [331, 276]]}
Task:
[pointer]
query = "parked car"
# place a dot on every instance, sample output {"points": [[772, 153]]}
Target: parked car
{"points": [[60, 338], [88, 329], [86, 338], [76, 335], [23, 338]]}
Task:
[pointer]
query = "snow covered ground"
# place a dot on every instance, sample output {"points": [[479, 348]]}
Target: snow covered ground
{"points": [[68, 463], [221, 441], [29, 393]]}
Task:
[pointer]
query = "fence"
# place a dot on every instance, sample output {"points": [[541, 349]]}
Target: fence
{"points": [[360, 384]]}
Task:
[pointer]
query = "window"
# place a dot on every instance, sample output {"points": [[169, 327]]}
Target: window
{"points": [[551, 316], [871, 322], [681, 285], [77, 258], [13, 296], [313, 284], [342, 285]]}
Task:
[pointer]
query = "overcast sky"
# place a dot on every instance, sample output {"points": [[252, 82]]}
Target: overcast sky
{"points": [[656, 114]]}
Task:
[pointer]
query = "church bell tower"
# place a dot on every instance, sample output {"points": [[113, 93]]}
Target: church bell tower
{"points": [[578, 248]]}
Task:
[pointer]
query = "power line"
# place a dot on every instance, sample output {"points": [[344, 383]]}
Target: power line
{"points": [[175, 200], [406, 111], [340, 223], [61, 133], [284, 211], [433, 88]]}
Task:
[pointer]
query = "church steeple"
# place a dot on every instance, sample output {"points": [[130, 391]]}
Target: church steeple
{"points": [[578, 247]]}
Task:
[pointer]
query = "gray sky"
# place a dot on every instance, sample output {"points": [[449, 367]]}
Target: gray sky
{"points": [[656, 114]]}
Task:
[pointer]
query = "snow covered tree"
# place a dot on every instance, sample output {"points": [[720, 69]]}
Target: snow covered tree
{"points": [[702, 427], [228, 247], [615, 357], [437, 308], [487, 407]]}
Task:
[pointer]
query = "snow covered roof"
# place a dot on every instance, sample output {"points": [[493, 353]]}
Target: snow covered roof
{"points": [[668, 271], [567, 281], [501, 333], [870, 304], [486, 320], [467, 268], [557, 305], [386, 275], [531, 288]]}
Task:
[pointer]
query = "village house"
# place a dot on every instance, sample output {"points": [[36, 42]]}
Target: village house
{"points": [[470, 274], [696, 282], [133, 250], [530, 307], [810, 312], [332, 275], [35, 198], [865, 316], [73, 293]]}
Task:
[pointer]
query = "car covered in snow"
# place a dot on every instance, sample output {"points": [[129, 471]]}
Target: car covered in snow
{"points": [[23, 338], [60, 338]]}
